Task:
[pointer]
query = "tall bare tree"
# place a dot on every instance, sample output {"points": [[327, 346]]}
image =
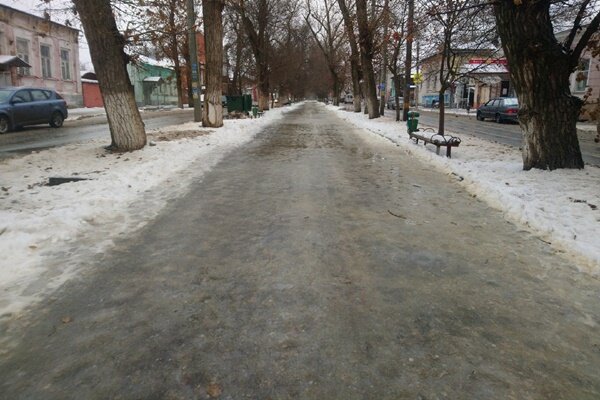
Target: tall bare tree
{"points": [[397, 43], [367, 52], [327, 30], [163, 24], [110, 63], [457, 30], [540, 67], [355, 69], [256, 18], [385, 20]]}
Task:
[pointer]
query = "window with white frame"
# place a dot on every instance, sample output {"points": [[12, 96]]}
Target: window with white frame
{"points": [[46, 61], [581, 76], [65, 63], [23, 54]]}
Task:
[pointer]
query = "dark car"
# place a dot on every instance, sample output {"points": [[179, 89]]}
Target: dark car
{"points": [[21, 106], [499, 109]]}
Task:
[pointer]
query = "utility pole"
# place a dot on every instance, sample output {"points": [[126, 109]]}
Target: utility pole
{"points": [[407, 67], [196, 87]]}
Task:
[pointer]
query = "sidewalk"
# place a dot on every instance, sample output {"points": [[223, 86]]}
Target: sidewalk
{"points": [[562, 207]]}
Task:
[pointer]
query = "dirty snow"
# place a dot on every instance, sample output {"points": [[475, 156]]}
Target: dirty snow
{"points": [[72, 221]]}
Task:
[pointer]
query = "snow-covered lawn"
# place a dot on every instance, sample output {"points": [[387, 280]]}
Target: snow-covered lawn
{"points": [[124, 192], [562, 207]]}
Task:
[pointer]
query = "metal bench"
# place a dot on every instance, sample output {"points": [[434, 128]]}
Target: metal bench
{"points": [[429, 136]]}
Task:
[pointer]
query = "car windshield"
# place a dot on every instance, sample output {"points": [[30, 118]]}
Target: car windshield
{"points": [[511, 102], [4, 95]]}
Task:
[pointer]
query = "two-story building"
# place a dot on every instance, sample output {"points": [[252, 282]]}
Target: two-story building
{"points": [[479, 75], [36, 51]]}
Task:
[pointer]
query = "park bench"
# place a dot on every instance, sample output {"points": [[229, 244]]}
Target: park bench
{"points": [[429, 136]]}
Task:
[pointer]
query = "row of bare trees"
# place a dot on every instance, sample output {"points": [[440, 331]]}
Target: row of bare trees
{"points": [[322, 47]]}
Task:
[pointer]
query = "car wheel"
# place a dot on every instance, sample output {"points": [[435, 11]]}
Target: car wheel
{"points": [[498, 119], [4, 124], [479, 117], [57, 120]]}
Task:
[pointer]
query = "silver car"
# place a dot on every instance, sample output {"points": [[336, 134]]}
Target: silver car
{"points": [[22, 106]]}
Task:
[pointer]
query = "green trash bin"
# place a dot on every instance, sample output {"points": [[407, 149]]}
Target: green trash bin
{"points": [[235, 103], [412, 123], [247, 103], [254, 111]]}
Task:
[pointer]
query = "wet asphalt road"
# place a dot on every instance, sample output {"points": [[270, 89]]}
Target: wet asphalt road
{"points": [[41, 137], [316, 263]]}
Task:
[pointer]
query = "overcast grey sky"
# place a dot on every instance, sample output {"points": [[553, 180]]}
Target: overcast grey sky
{"points": [[57, 14]]}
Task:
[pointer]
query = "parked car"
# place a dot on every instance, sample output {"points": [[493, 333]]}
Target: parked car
{"points": [[21, 106], [391, 102], [500, 109], [349, 98]]}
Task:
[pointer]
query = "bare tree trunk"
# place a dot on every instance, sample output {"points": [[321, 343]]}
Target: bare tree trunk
{"points": [[539, 70], [263, 86], [383, 80], [397, 89], [356, 84], [408, 62], [442, 107], [259, 41], [366, 55], [110, 63], [212, 10], [354, 54], [336, 89], [185, 52], [597, 138], [174, 50]]}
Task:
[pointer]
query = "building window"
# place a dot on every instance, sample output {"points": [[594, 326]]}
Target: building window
{"points": [[65, 64], [46, 64], [581, 76], [23, 54]]}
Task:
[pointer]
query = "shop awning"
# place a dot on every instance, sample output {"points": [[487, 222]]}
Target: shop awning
{"points": [[153, 79], [13, 61]]}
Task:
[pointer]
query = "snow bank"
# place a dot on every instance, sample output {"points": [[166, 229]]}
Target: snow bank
{"points": [[124, 192]]}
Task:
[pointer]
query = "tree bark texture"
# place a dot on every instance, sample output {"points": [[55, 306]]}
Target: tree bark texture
{"points": [[212, 10], [366, 55], [540, 70], [408, 61], [110, 63], [397, 89], [442, 107], [383, 78]]}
